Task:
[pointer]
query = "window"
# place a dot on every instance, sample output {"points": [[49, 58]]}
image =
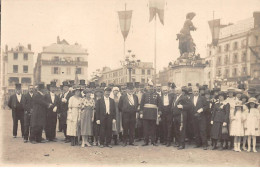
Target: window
{"points": [[56, 58], [243, 56], [79, 59], [133, 79], [25, 69], [15, 56], [133, 71], [219, 49], [227, 47], [143, 71], [219, 73], [25, 56], [243, 43], [226, 73], [235, 60], [20, 48], [209, 53], [235, 72], [143, 80], [15, 68], [68, 70], [55, 70], [235, 46], [219, 61], [226, 60], [26, 80], [13, 80], [149, 72], [78, 70], [244, 71]]}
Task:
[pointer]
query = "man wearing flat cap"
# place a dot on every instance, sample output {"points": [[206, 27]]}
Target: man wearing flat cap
{"points": [[150, 110], [128, 105], [105, 115], [16, 103]]}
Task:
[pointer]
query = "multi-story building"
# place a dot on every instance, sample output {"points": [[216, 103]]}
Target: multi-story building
{"points": [[120, 76], [17, 67], [236, 56], [60, 62]]}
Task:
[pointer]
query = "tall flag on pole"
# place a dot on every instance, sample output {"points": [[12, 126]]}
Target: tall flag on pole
{"points": [[214, 26], [125, 18], [157, 7]]}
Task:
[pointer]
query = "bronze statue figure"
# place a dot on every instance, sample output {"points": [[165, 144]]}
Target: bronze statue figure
{"points": [[186, 44]]}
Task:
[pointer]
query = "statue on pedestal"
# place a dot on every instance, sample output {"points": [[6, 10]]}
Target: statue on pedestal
{"points": [[186, 44]]}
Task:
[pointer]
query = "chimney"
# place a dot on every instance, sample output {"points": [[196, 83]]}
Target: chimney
{"points": [[58, 40], [6, 48], [256, 19], [30, 47]]}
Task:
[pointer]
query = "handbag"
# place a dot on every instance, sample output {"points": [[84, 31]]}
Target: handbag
{"points": [[224, 130]]}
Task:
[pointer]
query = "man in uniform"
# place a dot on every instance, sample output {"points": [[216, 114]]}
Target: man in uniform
{"points": [[16, 104], [28, 106], [150, 111]]}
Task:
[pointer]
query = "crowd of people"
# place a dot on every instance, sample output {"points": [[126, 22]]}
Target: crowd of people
{"points": [[169, 115]]}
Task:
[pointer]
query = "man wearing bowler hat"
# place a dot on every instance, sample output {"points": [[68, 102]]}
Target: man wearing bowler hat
{"points": [[51, 119], [128, 105], [64, 101], [38, 118], [16, 103]]}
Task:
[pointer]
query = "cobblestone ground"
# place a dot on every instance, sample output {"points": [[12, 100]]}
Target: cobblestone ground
{"points": [[16, 153]]}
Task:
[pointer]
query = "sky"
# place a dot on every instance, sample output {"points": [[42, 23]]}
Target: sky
{"points": [[94, 24]]}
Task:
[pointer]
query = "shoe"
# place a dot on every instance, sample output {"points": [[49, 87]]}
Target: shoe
{"points": [[110, 146], [176, 145], [83, 146], [254, 150], [214, 148], [25, 141], [197, 146], [221, 148], [154, 144], [88, 144], [181, 147], [124, 144], [14, 136], [101, 146], [168, 144], [145, 144], [33, 142], [244, 148], [132, 144], [205, 148], [165, 143]]}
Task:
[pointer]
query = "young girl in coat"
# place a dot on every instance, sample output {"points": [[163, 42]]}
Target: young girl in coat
{"points": [[252, 123], [244, 100]]}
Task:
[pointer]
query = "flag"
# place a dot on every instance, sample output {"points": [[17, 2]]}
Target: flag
{"points": [[214, 26], [125, 18], [157, 7]]}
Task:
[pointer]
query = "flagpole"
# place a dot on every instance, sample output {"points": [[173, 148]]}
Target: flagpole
{"points": [[155, 49], [124, 29], [213, 34]]}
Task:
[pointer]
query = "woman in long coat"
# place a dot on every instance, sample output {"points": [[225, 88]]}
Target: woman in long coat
{"points": [[87, 117], [73, 119], [219, 119], [115, 94]]}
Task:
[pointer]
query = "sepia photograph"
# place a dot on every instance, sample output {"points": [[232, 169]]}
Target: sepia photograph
{"points": [[130, 83]]}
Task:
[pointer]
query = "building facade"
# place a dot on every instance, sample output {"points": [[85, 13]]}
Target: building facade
{"points": [[60, 62], [237, 55], [120, 76], [17, 67]]}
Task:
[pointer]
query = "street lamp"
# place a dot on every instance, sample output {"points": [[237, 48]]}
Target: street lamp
{"points": [[130, 62]]}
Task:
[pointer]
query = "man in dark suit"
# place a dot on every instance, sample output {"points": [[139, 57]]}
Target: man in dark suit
{"points": [[150, 110], [128, 105], [106, 115], [64, 101], [180, 107], [167, 116], [28, 108], [16, 104], [38, 118], [199, 107], [51, 119]]}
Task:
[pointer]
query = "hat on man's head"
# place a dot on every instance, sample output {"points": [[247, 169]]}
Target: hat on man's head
{"points": [[71, 82], [173, 86], [201, 88], [243, 96], [185, 89], [130, 86], [99, 90], [137, 84], [221, 93], [40, 86], [18, 86], [53, 84], [205, 86], [87, 90], [48, 86], [92, 85], [108, 89], [82, 82], [207, 91], [61, 87], [189, 84], [103, 85], [65, 83]]}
